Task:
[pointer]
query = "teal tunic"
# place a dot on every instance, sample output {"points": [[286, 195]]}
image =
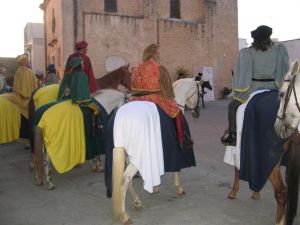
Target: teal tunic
{"points": [[271, 64], [78, 84]]}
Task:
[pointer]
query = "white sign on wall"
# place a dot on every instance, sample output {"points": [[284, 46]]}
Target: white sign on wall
{"points": [[114, 62]]}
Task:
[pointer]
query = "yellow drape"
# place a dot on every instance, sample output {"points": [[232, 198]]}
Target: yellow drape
{"points": [[45, 95], [10, 121], [63, 130]]}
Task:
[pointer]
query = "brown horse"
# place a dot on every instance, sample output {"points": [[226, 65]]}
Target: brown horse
{"points": [[120, 76]]}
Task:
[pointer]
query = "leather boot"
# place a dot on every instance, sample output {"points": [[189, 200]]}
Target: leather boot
{"points": [[230, 140], [185, 142]]}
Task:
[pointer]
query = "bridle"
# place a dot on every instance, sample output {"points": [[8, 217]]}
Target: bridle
{"points": [[291, 88], [196, 108]]}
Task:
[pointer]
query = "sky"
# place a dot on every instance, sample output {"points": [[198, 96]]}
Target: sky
{"points": [[282, 15]]}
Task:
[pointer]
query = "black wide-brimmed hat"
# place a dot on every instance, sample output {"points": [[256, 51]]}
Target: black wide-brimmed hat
{"points": [[261, 33]]}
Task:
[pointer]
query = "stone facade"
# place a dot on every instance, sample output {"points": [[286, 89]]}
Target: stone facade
{"points": [[206, 35]]}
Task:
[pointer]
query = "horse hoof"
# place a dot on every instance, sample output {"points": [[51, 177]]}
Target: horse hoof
{"points": [[231, 195], [51, 186], [180, 191], [39, 183], [138, 205], [99, 169], [255, 195], [127, 222], [156, 190]]}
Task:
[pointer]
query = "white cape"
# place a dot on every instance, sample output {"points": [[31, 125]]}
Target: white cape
{"points": [[137, 129]]}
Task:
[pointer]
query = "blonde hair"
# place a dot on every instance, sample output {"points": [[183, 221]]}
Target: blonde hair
{"points": [[150, 51], [166, 83]]}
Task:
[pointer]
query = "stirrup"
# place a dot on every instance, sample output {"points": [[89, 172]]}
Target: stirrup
{"points": [[223, 136]]}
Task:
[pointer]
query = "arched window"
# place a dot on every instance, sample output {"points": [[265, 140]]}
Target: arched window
{"points": [[175, 9], [110, 5]]}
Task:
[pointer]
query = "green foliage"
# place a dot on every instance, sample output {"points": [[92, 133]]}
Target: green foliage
{"points": [[181, 70]]}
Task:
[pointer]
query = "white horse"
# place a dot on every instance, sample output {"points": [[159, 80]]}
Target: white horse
{"points": [[137, 132], [108, 98], [287, 126]]}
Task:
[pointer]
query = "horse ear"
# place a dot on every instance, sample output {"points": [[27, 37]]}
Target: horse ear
{"points": [[295, 67], [127, 66]]}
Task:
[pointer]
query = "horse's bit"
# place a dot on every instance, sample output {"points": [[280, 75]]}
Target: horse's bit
{"points": [[291, 88]]}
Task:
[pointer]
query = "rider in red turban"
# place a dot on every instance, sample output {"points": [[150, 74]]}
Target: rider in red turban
{"points": [[81, 50]]}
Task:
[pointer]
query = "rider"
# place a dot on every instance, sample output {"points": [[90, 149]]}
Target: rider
{"points": [[81, 50], [151, 82], [261, 66], [74, 85], [24, 84]]}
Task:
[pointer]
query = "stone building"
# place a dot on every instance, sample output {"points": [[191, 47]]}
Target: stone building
{"points": [[34, 45], [200, 35]]}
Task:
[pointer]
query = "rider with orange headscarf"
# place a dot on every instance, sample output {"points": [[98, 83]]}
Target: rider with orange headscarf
{"points": [[151, 82]]}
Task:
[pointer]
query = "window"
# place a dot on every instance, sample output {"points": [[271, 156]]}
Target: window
{"points": [[110, 5], [175, 9]]}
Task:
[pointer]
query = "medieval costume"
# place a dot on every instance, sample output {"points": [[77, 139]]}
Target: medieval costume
{"points": [[25, 83], [81, 48], [66, 122], [261, 66], [146, 82]]}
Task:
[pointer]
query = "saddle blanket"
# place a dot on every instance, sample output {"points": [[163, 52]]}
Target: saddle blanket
{"points": [[137, 129], [260, 146], [174, 158]]}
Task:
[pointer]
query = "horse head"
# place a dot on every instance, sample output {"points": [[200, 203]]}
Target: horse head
{"points": [[288, 115], [113, 79], [206, 84], [187, 95]]}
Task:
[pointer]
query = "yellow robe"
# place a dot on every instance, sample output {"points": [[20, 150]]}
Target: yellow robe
{"points": [[45, 95], [24, 84]]}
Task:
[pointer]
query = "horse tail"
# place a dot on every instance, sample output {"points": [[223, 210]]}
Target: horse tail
{"points": [[293, 169], [117, 175]]}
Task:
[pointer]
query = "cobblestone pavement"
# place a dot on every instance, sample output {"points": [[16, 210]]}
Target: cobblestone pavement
{"points": [[80, 199]]}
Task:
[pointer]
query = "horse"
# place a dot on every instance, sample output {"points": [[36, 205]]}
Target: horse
{"points": [[187, 92], [287, 126], [109, 99], [286, 123]]}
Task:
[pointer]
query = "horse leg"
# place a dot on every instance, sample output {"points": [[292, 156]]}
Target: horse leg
{"points": [[202, 99], [236, 185], [120, 185], [137, 203], [99, 167], [92, 165], [279, 191], [179, 189], [50, 184], [38, 156]]}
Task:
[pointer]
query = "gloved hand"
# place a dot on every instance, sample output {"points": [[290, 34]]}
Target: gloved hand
{"points": [[94, 107]]}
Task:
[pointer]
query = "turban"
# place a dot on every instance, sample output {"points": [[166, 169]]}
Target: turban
{"points": [[39, 73], [22, 60], [81, 45], [261, 33]]}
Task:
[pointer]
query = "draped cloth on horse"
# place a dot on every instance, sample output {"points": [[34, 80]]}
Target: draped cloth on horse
{"points": [[66, 137], [63, 130], [174, 158], [261, 148], [137, 129], [45, 95], [10, 121]]}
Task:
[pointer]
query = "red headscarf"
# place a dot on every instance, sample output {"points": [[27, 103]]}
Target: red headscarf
{"points": [[81, 45]]}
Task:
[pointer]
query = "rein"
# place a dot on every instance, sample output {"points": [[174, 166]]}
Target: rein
{"points": [[291, 88]]}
